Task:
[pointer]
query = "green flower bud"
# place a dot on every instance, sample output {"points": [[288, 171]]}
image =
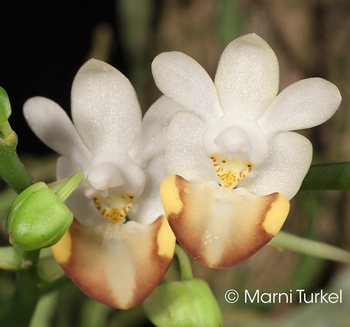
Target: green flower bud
{"points": [[183, 303], [38, 218]]}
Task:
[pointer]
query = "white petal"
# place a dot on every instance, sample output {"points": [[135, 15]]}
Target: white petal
{"points": [[185, 81], [284, 169], [247, 77], [51, 124], [66, 167], [105, 109], [148, 206], [307, 103], [184, 153], [82, 207], [151, 140]]}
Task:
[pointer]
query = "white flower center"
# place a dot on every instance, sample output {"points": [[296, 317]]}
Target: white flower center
{"points": [[104, 176], [235, 142], [235, 145], [112, 182]]}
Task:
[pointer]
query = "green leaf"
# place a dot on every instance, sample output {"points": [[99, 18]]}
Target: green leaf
{"points": [[333, 176], [230, 21]]}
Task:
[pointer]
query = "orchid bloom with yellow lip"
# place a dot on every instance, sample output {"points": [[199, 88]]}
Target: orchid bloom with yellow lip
{"points": [[233, 160], [114, 261]]}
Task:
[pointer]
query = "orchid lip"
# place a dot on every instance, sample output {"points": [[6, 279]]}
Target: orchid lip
{"points": [[114, 208]]}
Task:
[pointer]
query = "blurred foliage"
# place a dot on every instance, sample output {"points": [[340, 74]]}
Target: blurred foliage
{"points": [[310, 38]]}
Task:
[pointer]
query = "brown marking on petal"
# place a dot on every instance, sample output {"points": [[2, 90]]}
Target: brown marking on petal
{"points": [[219, 227], [258, 237], [161, 251], [119, 272], [84, 246]]}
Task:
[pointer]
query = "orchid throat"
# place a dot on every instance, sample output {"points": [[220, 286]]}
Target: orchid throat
{"points": [[112, 184], [235, 145]]}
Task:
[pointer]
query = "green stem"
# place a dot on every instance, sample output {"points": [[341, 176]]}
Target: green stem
{"points": [[334, 176], [27, 294], [310, 247], [7, 196], [49, 270], [11, 168], [5, 129], [12, 258], [28, 285], [19, 311], [184, 262], [56, 284]]}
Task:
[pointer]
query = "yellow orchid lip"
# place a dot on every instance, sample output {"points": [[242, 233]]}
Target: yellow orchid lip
{"points": [[109, 209], [217, 226], [235, 171]]}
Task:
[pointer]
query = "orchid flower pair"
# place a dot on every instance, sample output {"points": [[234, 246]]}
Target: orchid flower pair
{"points": [[233, 165]]}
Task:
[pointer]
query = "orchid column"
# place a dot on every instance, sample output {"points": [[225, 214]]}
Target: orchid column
{"points": [[233, 160], [113, 260]]}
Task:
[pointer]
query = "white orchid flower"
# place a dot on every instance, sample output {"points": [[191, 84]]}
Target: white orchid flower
{"points": [[115, 262], [235, 132]]}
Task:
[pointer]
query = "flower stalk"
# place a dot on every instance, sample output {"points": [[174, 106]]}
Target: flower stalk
{"points": [[30, 275], [5, 129], [27, 293], [310, 247], [12, 170], [184, 262]]}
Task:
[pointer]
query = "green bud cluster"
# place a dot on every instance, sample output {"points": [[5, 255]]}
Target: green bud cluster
{"points": [[38, 217]]}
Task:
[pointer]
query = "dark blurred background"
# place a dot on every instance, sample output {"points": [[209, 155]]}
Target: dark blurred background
{"points": [[44, 43]]}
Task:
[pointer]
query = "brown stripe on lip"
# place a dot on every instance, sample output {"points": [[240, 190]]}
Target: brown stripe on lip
{"points": [[117, 272], [160, 250], [218, 227], [77, 265]]}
